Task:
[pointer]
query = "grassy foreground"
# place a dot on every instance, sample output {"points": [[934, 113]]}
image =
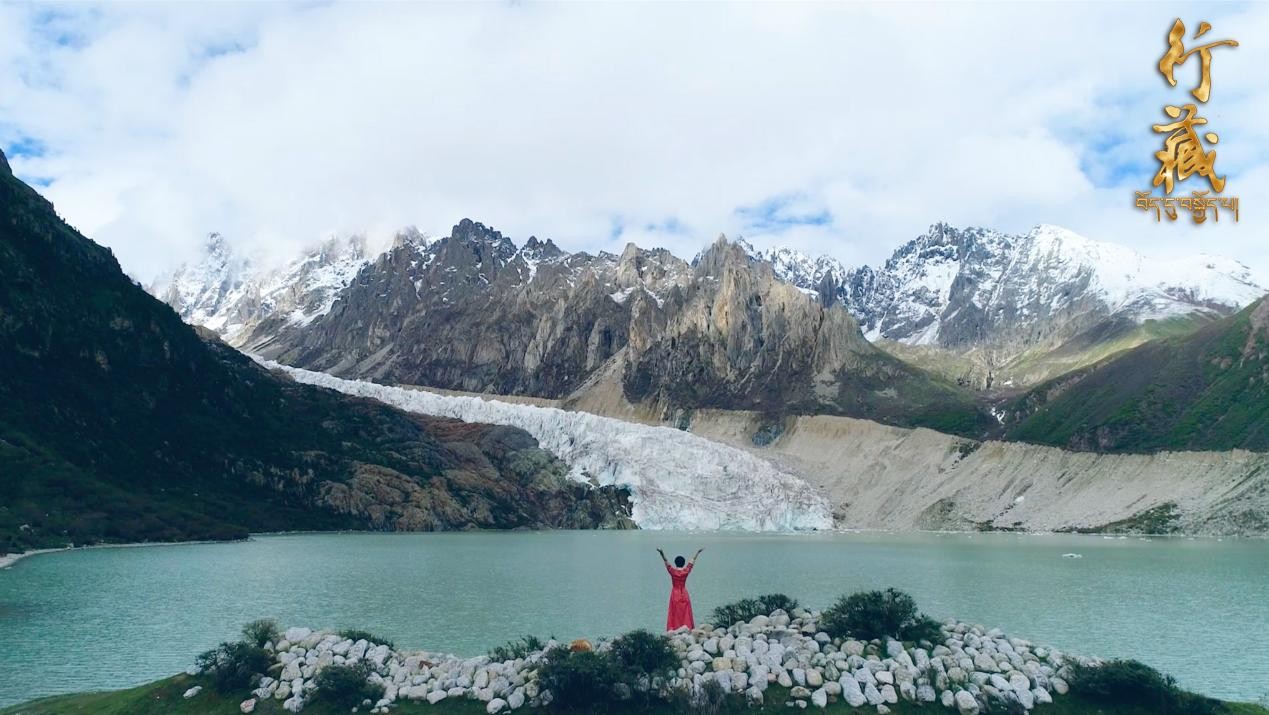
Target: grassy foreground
{"points": [[164, 697]]}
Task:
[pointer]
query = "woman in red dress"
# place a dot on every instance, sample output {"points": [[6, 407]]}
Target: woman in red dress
{"points": [[680, 613]]}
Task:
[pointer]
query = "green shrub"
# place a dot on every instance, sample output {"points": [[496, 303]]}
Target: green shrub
{"points": [[923, 629], [233, 666], [355, 635], [578, 681], [516, 649], [1131, 682], [879, 614], [345, 686], [643, 653], [259, 632], [747, 608]]}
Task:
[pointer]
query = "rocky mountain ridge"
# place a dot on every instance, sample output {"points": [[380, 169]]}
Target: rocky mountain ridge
{"points": [[978, 307], [473, 312], [1000, 301]]}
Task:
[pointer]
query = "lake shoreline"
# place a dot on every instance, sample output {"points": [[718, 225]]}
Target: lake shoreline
{"points": [[8, 560]]}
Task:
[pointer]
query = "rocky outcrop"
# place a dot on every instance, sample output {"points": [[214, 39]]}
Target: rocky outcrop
{"points": [[737, 337], [969, 667]]}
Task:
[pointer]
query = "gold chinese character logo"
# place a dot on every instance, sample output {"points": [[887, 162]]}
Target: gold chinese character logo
{"points": [[1186, 153], [1177, 54], [1183, 153]]}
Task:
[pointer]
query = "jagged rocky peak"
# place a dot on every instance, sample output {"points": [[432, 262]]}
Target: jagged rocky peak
{"points": [[973, 287], [721, 254], [476, 232], [233, 294], [540, 250], [4, 163], [411, 236], [656, 270]]}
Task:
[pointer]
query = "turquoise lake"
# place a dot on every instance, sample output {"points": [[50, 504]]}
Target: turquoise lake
{"points": [[110, 618]]}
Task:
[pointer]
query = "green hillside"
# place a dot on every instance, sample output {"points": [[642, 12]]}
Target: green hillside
{"points": [[1208, 390], [118, 422]]}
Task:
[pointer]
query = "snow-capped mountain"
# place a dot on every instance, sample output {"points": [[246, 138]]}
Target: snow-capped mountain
{"points": [[736, 327], [968, 288], [232, 295], [202, 292]]}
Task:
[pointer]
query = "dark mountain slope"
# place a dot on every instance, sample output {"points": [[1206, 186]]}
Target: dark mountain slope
{"points": [[1205, 391], [119, 422]]}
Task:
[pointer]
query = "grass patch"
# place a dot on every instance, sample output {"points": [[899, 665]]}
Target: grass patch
{"points": [[164, 698], [517, 649]]}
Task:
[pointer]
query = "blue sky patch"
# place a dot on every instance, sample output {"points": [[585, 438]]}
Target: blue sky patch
{"points": [[24, 147], [780, 213]]}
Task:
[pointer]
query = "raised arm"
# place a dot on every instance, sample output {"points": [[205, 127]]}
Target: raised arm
{"points": [[663, 559], [697, 554]]}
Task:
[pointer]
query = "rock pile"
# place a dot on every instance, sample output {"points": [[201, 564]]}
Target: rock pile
{"points": [[971, 670]]}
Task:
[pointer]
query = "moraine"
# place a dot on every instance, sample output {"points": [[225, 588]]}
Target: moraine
{"points": [[152, 610]]}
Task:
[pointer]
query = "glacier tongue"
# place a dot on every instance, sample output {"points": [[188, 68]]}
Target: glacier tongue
{"points": [[676, 479]]}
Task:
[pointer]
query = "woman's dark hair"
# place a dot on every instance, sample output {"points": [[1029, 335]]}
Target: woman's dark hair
{"points": [[679, 561]]}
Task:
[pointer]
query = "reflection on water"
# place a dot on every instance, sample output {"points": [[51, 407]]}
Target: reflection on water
{"points": [[109, 618]]}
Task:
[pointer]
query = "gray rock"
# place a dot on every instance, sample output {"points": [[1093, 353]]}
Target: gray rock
{"points": [[193, 691], [819, 698], [985, 663], [888, 694], [495, 706], [247, 706], [872, 695], [966, 704], [926, 693], [851, 692]]}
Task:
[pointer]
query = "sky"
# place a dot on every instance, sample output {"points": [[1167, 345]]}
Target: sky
{"points": [[843, 129]]}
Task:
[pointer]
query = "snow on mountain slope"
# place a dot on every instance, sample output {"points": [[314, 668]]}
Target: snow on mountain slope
{"points": [[201, 292], [231, 294], [963, 288], [677, 480]]}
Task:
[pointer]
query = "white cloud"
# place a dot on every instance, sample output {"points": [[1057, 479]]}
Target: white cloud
{"points": [[277, 124]]}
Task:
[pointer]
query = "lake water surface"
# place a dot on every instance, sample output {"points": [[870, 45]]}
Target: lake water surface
{"points": [[110, 618]]}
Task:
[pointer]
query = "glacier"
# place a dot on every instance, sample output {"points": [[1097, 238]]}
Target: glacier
{"points": [[676, 479]]}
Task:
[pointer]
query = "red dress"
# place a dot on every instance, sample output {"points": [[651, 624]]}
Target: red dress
{"points": [[680, 603]]}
